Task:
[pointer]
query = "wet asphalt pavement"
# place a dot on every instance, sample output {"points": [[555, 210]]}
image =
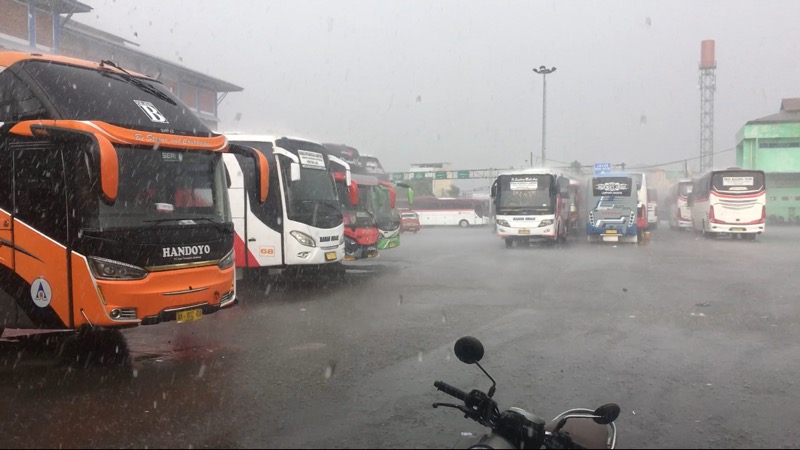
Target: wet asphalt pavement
{"points": [[696, 339]]}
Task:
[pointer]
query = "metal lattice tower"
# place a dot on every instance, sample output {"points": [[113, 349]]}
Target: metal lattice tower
{"points": [[708, 84]]}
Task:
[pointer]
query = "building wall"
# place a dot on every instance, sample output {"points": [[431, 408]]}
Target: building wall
{"points": [[775, 149]]}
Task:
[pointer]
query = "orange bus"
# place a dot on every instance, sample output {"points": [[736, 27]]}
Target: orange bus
{"points": [[114, 208]]}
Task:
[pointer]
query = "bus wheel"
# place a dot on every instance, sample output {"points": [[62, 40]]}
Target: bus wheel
{"points": [[463, 223], [509, 242]]}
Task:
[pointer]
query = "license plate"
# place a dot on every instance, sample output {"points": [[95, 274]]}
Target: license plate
{"points": [[330, 256], [524, 231], [189, 315], [611, 231], [738, 229]]}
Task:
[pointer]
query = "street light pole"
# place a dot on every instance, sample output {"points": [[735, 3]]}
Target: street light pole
{"points": [[544, 71]]}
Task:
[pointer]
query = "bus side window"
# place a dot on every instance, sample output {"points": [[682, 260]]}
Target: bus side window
{"points": [[17, 101]]}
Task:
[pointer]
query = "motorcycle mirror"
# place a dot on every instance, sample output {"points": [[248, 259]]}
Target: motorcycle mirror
{"points": [[606, 413], [469, 350]]}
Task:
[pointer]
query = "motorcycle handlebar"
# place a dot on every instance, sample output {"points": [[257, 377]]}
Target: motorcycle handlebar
{"points": [[451, 390]]}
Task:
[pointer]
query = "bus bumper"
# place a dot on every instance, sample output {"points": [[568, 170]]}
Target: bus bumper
{"points": [[546, 232], [732, 228], [181, 294]]}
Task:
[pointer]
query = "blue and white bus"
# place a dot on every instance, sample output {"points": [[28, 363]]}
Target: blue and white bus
{"points": [[612, 203]]}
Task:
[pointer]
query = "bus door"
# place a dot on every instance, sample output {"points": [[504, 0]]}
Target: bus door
{"points": [[40, 280], [259, 221]]}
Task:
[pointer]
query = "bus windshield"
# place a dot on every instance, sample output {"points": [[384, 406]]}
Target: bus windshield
{"points": [[312, 199], [130, 102], [534, 192], [175, 188], [611, 186], [737, 182]]}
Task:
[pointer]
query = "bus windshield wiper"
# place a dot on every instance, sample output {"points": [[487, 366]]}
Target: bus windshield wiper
{"points": [[219, 225], [135, 81]]}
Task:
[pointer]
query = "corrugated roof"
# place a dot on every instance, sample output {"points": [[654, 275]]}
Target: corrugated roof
{"points": [[790, 104], [111, 40], [789, 113]]}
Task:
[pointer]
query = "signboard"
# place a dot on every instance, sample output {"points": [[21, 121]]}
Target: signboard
{"points": [[398, 176], [601, 168], [463, 174], [737, 181], [441, 175], [311, 160], [419, 175], [524, 183], [611, 186]]}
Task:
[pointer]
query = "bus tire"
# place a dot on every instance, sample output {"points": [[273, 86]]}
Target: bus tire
{"points": [[509, 242], [463, 223]]}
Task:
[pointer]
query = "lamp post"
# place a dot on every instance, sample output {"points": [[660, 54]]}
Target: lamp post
{"points": [[544, 71]]}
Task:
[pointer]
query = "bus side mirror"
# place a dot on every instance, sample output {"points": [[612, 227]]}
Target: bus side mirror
{"points": [[689, 199], [392, 193], [352, 191], [493, 193], [262, 168], [294, 171], [109, 169]]}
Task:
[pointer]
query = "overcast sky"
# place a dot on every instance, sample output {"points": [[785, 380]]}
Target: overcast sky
{"points": [[432, 81]]}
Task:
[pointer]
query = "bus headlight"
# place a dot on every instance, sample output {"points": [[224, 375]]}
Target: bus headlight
{"points": [[303, 238], [108, 269], [227, 261], [502, 222], [545, 223]]}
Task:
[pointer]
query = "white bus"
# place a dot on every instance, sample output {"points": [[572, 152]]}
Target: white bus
{"points": [[729, 202], [300, 223], [531, 204], [464, 212], [680, 216]]}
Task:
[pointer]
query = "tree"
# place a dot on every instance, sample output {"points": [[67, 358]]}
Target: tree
{"points": [[422, 188], [454, 191]]}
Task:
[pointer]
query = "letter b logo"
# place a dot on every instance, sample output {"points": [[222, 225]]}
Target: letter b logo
{"points": [[152, 112]]}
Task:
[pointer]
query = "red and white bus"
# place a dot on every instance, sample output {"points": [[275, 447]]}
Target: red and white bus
{"points": [[680, 216], [729, 202], [464, 212]]}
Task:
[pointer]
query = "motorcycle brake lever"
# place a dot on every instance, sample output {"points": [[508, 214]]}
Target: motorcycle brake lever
{"points": [[448, 405]]}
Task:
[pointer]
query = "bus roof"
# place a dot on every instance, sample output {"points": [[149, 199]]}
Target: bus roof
{"points": [[237, 137], [8, 59]]}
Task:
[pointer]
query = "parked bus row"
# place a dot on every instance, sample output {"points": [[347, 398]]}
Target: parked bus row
{"points": [[139, 213]]}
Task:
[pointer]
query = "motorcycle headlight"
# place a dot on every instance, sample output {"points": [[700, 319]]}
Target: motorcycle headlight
{"points": [[227, 261], [303, 238], [503, 223], [546, 223], [108, 269]]}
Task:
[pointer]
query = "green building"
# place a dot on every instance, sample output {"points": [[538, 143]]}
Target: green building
{"points": [[772, 144]]}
